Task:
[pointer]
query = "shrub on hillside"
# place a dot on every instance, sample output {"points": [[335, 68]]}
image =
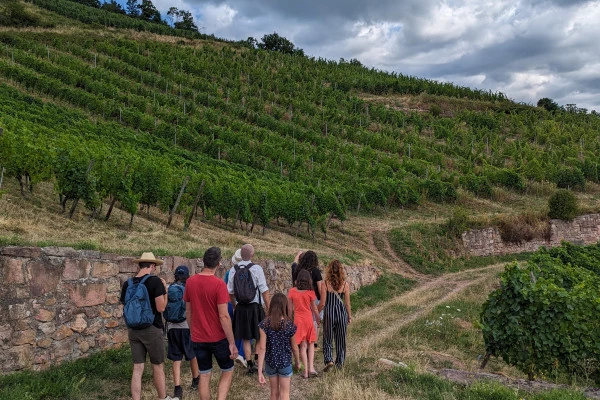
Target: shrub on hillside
{"points": [[457, 223], [507, 178], [563, 205], [439, 191], [570, 178], [479, 185], [13, 13], [523, 228]]}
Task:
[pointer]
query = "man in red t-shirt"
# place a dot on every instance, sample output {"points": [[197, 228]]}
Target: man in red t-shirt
{"points": [[206, 299]]}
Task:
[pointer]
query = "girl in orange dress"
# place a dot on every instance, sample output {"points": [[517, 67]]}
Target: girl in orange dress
{"points": [[303, 301]]}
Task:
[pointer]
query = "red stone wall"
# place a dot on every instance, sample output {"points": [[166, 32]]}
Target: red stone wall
{"points": [[60, 304]]}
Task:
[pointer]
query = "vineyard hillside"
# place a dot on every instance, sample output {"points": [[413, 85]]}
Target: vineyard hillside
{"points": [[106, 115]]}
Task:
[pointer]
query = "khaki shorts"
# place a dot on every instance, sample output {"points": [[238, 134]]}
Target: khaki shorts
{"points": [[147, 341]]}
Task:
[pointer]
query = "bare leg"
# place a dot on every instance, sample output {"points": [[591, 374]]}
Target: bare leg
{"points": [[177, 373], [274, 383], [136, 381], [304, 356], [224, 384], [311, 357], [194, 367], [284, 388], [247, 344], [204, 387], [158, 377]]}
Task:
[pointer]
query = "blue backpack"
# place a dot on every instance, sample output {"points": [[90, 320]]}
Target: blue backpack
{"points": [[137, 310], [175, 310]]}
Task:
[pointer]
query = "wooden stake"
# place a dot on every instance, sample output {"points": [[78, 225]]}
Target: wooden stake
{"points": [[185, 182], [194, 207]]}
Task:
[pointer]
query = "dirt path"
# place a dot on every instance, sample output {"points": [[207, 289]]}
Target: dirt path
{"points": [[424, 298]]}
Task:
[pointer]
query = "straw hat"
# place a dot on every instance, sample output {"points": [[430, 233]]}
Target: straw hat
{"points": [[148, 257]]}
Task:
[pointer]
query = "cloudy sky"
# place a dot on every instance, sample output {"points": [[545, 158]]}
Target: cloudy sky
{"points": [[525, 49]]}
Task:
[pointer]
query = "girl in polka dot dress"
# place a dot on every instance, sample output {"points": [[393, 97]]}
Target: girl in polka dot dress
{"points": [[275, 348]]}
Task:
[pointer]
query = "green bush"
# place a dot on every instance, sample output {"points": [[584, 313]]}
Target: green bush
{"points": [[439, 191], [457, 223], [562, 205], [570, 178], [479, 185], [543, 318], [435, 110], [509, 179]]}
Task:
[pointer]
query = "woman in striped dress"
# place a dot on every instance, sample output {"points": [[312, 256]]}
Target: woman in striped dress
{"points": [[335, 300]]}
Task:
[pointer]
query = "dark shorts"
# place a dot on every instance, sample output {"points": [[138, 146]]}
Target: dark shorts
{"points": [[180, 345], [147, 341], [205, 351], [245, 321]]}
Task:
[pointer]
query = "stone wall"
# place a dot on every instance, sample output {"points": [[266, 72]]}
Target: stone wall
{"points": [[582, 230], [59, 304]]}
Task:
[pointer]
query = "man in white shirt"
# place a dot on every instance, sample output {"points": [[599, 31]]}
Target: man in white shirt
{"points": [[247, 316]]}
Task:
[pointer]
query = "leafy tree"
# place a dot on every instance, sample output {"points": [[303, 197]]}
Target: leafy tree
{"points": [[274, 42], [182, 19], [148, 12], [114, 7], [250, 42], [563, 205], [548, 104], [133, 8]]}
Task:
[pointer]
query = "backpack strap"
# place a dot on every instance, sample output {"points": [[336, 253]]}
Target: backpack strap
{"points": [[250, 265]]}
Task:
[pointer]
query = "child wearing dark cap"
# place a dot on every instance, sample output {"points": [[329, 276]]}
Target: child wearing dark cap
{"points": [[178, 332]]}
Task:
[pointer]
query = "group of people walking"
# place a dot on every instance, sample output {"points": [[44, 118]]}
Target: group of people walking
{"points": [[284, 329]]}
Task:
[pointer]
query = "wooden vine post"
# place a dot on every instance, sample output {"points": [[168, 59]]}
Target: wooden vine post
{"points": [[185, 182], [194, 207]]}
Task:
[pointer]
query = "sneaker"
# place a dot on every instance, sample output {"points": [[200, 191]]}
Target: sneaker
{"points": [[252, 368], [195, 383], [178, 393], [241, 361]]}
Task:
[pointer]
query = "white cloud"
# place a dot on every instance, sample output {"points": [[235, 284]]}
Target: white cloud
{"points": [[216, 17]]}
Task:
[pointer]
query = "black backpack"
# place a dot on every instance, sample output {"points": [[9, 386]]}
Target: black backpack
{"points": [[244, 288]]}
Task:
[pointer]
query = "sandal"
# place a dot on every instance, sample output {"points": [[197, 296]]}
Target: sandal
{"points": [[313, 374], [328, 366]]}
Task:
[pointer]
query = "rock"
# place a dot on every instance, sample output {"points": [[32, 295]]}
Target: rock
{"points": [[45, 315], [23, 337], [44, 277], [104, 269], [389, 363], [13, 271], [79, 324], [76, 269], [88, 294]]}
